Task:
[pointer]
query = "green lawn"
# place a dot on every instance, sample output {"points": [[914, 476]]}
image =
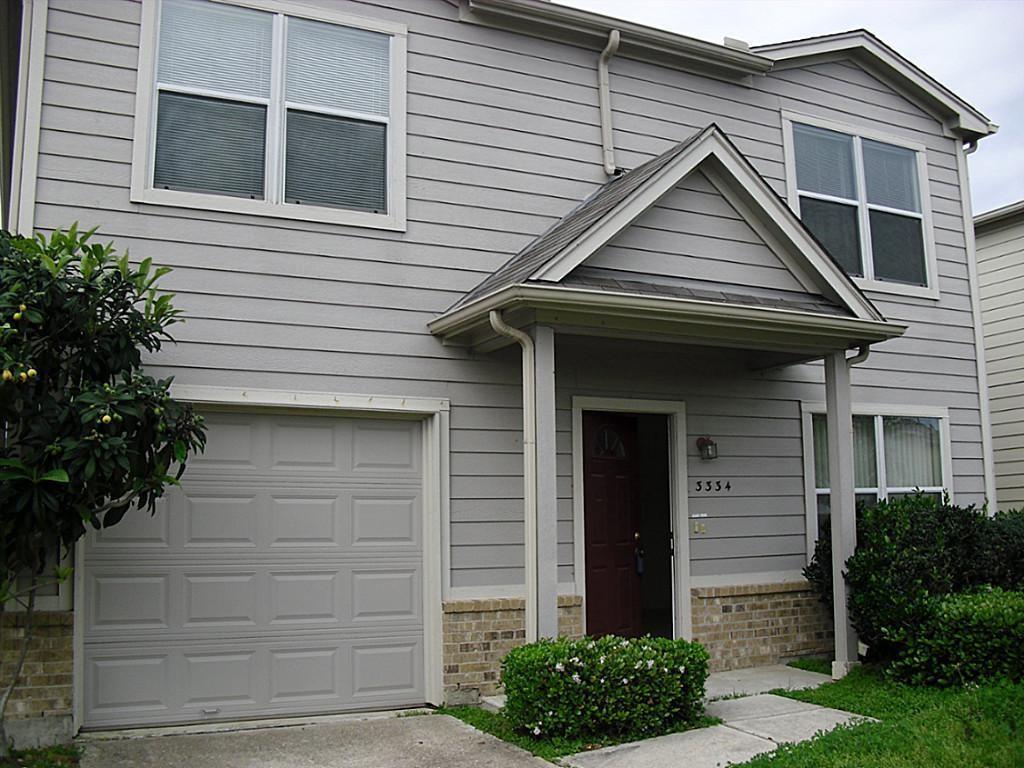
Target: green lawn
{"points": [[50, 757], [920, 728], [549, 749]]}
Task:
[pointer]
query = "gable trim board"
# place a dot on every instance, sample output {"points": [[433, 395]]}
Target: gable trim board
{"points": [[959, 117], [434, 414], [20, 215]]}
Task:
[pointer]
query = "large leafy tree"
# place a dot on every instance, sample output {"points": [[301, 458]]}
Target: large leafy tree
{"points": [[85, 435]]}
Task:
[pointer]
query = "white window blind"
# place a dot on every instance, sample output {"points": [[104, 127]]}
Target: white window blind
{"points": [[824, 162], [337, 98], [223, 128]]}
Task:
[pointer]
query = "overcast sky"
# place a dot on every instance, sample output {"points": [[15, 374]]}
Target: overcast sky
{"points": [[970, 46]]}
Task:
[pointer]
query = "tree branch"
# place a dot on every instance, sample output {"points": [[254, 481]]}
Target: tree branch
{"points": [[26, 642]]}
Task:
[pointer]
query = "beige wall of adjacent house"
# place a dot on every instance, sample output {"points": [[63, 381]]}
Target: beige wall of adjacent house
{"points": [[1000, 247]]}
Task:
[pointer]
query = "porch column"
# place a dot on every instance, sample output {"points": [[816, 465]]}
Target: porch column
{"points": [[839, 416], [546, 550]]}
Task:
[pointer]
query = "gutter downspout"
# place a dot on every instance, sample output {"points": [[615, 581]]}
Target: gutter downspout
{"points": [[860, 357], [529, 465], [984, 408], [605, 100]]}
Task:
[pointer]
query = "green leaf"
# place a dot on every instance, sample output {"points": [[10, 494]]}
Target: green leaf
{"points": [[55, 476]]}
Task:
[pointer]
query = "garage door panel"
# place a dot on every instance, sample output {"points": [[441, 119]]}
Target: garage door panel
{"points": [[190, 682], [283, 577]]}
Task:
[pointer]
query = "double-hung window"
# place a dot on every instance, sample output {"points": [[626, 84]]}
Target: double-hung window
{"points": [[249, 108], [865, 200], [895, 453]]}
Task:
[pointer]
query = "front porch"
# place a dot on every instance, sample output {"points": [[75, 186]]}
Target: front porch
{"points": [[684, 290]]}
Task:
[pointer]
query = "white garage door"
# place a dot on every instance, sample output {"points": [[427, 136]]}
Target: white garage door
{"points": [[284, 577]]}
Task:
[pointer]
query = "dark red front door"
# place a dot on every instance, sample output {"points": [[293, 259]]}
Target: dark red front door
{"points": [[611, 524]]}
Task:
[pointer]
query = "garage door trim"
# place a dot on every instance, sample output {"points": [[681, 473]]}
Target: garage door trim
{"points": [[435, 417]]}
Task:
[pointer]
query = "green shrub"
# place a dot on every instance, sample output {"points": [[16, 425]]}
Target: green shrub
{"points": [[908, 550], [1001, 559], [604, 687], [965, 638]]}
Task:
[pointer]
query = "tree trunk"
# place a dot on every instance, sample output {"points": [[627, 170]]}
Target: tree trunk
{"points": [[26, 642]]}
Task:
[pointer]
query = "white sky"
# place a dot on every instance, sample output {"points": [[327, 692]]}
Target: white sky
{"points": [[970, 46]]}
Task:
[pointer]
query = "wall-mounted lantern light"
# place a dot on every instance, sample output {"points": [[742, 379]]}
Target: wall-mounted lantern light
{"points": [[708, 448]]}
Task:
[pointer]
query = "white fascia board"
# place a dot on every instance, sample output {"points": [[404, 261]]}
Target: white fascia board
{"points": [[968, 118], [999, 216], [763, 204], [617, 304], [563, 22]]}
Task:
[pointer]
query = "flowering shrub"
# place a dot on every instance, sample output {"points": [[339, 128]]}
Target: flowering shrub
{"points": [[604, 687], [966, 638]]}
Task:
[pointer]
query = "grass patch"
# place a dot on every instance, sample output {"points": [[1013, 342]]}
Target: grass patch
{"points": [[821, 666], [549, 748], [64, 756], [920, 728]]}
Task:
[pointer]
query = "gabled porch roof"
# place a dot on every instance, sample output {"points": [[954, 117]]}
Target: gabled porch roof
{"points": [[548, 282]]}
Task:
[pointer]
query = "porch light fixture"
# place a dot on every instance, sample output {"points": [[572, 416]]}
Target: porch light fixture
{"points": [[708, 448]]}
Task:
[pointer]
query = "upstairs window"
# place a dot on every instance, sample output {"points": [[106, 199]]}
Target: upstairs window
{"points": [[258, 111], [863, 199]]}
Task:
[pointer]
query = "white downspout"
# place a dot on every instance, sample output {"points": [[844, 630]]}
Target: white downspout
{"points": [[860, 357], [605, 100], [984, 408], [529, 466]]}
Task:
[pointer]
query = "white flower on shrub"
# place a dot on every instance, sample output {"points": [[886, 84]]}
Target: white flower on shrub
{"points": [[575, 660], [650, 663], [575, 677], [536, 730], [638, 665], [682, 670], [601, 660], [560, 667], [625, 681], [602, 681]]}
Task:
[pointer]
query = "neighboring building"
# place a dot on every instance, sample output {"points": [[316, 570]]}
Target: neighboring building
{"points": [[384, 219], [999, 237]]}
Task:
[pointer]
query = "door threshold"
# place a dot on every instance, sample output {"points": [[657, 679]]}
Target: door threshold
{"points": [[229, 726]]}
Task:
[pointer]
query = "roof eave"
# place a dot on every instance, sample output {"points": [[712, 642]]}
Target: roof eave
{"points": [[551, 20], [999, 216], [963, 118], [614, 304]]}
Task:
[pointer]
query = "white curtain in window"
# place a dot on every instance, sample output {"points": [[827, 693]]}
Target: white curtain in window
{"points": [[215, 47], [824, 162], [913, 456], [890, 174], [865, 468], [338, 67]]}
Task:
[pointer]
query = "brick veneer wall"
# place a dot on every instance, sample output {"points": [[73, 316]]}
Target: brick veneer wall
{"points": [[478, 634], [39, 711], [755, 625]]}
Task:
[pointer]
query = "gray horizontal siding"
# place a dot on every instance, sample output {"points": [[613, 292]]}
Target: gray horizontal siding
{"points": [[1001, 274], [503, 140]]}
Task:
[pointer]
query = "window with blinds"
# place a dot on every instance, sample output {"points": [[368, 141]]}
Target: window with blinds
{"points": [[861, 198], [293, 112], [892, 455]]}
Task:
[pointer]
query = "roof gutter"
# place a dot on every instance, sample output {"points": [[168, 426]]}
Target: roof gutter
{"points": [[551, 20], [614, 304]]}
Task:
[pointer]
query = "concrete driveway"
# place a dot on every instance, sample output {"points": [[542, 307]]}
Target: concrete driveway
{"points": [[425, 741]]}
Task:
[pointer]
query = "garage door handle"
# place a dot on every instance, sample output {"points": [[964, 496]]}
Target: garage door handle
{"points": [[210, 710]]}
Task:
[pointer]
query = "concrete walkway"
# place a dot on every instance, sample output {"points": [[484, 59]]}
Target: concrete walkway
{"points": [[428, 741], [751, 725]]}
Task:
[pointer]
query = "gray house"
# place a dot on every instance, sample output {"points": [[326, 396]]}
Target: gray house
{"points": [[1000, 241], [509, 320]]}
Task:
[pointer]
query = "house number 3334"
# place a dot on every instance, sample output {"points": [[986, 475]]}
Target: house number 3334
{"points": [[714, 486]]}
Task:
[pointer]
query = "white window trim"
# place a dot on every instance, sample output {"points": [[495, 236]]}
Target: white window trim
{"points": [[62, 601], [931, 288], [144, 143], [808, 409]]}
